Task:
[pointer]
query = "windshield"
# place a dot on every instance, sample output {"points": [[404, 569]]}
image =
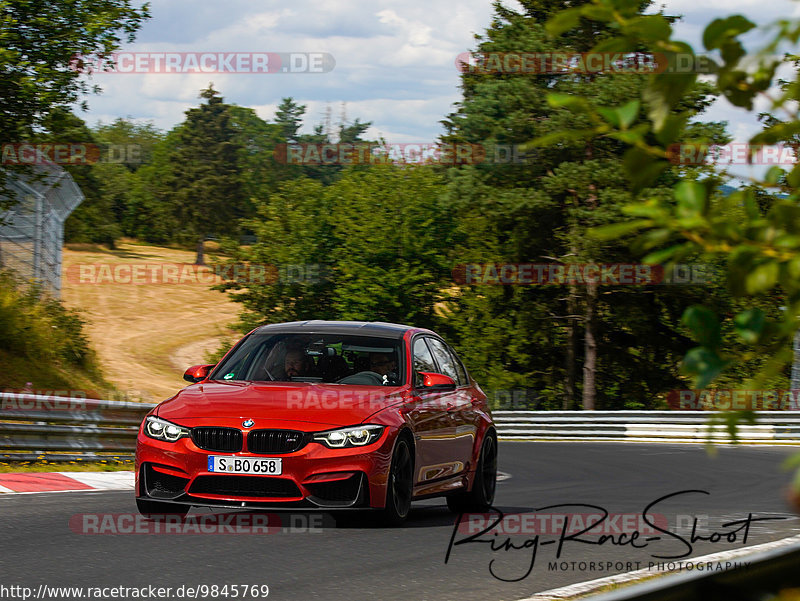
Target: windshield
{"points": [[328, 358]]}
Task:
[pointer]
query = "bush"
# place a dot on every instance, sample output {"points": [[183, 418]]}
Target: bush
{"points": [[38, 327]]}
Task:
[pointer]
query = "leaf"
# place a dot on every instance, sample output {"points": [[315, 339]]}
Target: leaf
{"points": [[559, 136], [642, 168], [704, 364], [762, 277], [660, 256], [610, 115], [652, 239], [720, 30], [773, 175], [750, 324], [691, 197], [629, 136], [748, 201], [618, 230], [733, 84], [663, 93], [731, 419], [616, 44], [740, 264], [563, 21], [777, 133], [793, 268], [791, 462], [704, 325], [627, 113], [650, 27], [627, 8], [571, 101], [597, 12], [651, 209], [671, 128], [793, 177]]}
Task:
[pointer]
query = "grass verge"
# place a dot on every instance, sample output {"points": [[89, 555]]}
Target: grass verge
{"points": [[65, 466]]}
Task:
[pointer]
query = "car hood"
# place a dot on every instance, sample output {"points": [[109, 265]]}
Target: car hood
{"points": [[328, 405]]}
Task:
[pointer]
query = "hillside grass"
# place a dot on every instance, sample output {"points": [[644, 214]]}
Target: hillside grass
{"points": [[146, 335], [43, 344]]}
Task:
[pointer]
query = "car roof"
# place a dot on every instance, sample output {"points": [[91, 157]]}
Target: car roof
{"points": [[357, 328]]}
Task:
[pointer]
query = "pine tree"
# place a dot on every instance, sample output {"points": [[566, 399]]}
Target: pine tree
{"points": [[539, 208], [205, 179], [289, 117]]}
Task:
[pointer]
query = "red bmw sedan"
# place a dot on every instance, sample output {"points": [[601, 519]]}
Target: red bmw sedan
{"points": [[327, 415]]}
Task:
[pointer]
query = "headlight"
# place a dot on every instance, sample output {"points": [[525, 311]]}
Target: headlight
{"points": [[161, 429], [354, 436]]}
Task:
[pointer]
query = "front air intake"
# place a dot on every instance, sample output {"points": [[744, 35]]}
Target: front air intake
{"points": [[244, 486]]}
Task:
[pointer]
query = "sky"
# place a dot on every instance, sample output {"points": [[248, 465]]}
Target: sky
{"points": [[395, 62]]}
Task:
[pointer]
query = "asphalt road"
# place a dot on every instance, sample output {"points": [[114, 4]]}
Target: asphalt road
{"points": [[357, 559]]}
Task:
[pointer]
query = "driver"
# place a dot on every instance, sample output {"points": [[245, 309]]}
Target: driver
{"points": [[295, 364], [383, 363]]}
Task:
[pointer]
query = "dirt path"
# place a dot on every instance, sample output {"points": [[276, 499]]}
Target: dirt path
{"points": [[146, 334]]}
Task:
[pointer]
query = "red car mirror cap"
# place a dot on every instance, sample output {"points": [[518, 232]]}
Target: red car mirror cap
{"points": [[197, 373], [434, 381]]}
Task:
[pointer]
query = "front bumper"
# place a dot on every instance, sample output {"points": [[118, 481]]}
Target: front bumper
{"points": [[312, 477]]}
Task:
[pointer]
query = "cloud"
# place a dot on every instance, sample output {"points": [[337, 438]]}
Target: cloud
{"points": [[395, 63]]}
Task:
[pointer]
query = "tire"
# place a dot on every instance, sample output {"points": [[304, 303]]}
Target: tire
{"points": [[481, 497], [156, 509], [399, 487]]}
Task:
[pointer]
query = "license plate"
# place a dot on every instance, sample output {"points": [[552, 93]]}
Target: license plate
{"points": [[244, 465]]}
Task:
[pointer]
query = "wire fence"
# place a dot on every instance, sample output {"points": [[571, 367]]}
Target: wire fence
{"points": [[32, 230]]}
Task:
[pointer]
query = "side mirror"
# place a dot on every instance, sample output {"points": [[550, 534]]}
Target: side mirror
{"points": [[197, 373], [437, 382]]}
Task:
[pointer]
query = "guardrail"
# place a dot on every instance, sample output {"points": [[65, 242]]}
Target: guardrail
{"points": [[35, 427], [644, 426], [66, 429]]}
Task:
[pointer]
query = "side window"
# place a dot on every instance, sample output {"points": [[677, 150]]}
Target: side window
{"points": [[423, 360], [462, 379], [447, 363]]}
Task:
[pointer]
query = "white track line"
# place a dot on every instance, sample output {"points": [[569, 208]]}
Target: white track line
{"points": [[53, 492], [98, 481], [103, 480], [582, 588], [676, 442]]}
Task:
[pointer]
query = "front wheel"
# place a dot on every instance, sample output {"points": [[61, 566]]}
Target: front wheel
{"points": [[157, 509], [481, 497], [400, 485]]}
